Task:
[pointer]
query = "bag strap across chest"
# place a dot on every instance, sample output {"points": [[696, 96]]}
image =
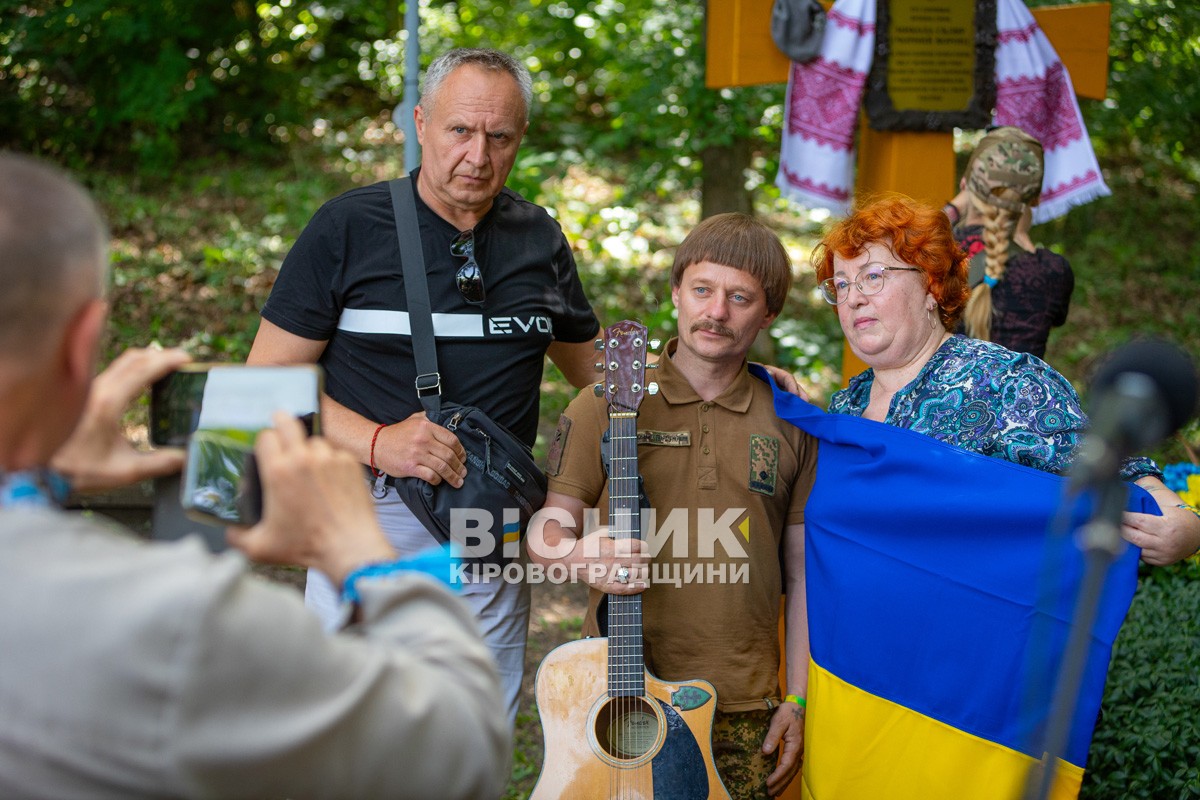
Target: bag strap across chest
{"points": [[416, 290]]}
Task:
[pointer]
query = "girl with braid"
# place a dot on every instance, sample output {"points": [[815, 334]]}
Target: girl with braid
{"points": [[1018, 291]]}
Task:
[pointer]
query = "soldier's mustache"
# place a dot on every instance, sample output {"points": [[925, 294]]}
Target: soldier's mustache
{"points": [[714, 327]]}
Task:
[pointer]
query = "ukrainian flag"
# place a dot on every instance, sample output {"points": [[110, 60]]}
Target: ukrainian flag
{"points": [[939, 604]]}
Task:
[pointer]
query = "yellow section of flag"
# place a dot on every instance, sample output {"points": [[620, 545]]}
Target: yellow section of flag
{"points": [[859, 746]]}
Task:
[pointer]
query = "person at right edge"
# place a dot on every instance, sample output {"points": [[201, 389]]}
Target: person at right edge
{"points": [[1018, 291]]}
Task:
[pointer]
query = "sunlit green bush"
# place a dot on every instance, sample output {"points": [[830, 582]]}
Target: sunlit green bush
{"points": [[1147, 741]]}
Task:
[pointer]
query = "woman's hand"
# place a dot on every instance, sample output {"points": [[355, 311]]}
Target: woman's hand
{"points": [[1164, 540]]}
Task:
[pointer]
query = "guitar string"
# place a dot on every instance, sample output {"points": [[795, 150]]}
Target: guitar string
{"points": [[614, 633], [625, 610], [622, 517], [617, 520]]}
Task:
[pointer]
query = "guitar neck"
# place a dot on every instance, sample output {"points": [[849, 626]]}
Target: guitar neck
{"points": [[626, 665]]}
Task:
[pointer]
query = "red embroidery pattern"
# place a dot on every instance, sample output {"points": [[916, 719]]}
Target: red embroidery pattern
{"points": [[823, 105], [1072, 186], [1016, 34], [856, 25], [1042, 106], [817, 189]]}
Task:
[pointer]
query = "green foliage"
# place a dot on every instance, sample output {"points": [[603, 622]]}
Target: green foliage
{"points": [[194, 258], [1136, 258], [1147, 741], [616, 83], [1154, 97], [156, 82], [619, 84]]}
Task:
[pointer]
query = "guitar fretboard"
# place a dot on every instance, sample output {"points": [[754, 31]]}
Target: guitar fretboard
{"points": [[626, 667]]}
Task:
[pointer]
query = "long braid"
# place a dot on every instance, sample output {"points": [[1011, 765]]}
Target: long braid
{"points": [[1004, 176], [998, 227]]}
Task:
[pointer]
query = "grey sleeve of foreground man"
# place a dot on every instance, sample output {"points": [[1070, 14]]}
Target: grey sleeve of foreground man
{"points": [[406, 705]]}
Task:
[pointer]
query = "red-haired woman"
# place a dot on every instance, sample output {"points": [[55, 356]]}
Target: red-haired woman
{"points": [[899, 283]]}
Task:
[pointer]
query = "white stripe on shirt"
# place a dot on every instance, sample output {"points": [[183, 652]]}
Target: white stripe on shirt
{"points": [[375, 320]]}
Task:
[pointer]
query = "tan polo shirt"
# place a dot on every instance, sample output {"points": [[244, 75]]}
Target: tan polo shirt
{"points": [[723, 478]]}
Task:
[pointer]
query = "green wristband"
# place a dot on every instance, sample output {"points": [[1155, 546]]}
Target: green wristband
{"points": [[800, 701]]}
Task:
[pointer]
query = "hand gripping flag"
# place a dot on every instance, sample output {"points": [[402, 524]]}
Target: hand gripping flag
{"points": [[940, 601]]}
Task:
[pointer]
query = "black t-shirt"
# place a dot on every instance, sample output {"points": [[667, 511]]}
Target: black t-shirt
{"points": [[343, 282]]}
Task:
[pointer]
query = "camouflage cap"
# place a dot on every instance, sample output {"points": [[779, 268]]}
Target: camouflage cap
{"points": [[1006, 169]]}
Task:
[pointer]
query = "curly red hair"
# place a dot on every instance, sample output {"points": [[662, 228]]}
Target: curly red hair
{"points": [[915, 233]]}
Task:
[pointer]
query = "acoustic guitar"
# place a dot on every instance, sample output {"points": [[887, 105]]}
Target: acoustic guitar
{"points": [[610, 728]]}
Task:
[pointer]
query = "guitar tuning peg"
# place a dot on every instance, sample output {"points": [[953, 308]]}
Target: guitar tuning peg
{"points": [[599, 366], [655, 344], [652, 388], [599, 344], [653, 365], [598, 389]]}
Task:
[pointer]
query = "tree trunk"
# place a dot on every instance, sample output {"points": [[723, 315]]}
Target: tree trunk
{"points": [[724, 179]]}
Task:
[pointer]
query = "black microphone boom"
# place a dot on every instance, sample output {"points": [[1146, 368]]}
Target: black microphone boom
{"points": [[1143, 392]]}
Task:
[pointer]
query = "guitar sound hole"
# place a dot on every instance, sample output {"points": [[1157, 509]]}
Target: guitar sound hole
{"points": [[627, 727]]}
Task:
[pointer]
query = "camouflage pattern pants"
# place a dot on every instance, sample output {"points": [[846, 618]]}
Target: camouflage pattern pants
{"points": [[737, 751]]}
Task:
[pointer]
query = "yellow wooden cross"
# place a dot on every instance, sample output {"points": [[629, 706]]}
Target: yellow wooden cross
{"points": [[741, 52]]}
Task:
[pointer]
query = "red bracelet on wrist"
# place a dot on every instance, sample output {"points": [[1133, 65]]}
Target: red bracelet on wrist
{"points": [[376, 472]]}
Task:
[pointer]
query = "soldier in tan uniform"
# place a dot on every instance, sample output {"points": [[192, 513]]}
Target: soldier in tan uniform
{"points": [[727, 481]]}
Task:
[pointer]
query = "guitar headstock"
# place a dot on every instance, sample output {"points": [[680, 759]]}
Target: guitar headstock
{"points": [[624, 366]]}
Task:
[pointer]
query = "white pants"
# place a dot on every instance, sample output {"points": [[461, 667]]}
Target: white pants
{"points": [[501, 609]]}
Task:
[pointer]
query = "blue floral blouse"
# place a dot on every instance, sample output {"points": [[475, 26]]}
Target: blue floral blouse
{"points": [[985, 398]]}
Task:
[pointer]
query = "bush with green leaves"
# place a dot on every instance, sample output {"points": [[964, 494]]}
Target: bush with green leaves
{"points": [[155, 83], [1147, 741]]}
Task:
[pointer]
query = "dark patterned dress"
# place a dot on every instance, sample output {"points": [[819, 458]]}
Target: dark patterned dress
{"points": [[1032, 298], [984, 398]]}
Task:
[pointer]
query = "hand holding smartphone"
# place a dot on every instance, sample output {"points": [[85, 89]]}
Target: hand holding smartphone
{"points": [[216, 411]]}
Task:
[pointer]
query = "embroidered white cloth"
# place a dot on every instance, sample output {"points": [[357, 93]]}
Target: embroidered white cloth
{"points": [[1033, 92]]}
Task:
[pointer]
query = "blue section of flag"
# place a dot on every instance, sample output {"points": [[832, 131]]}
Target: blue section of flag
{"points": [[945, 580]]}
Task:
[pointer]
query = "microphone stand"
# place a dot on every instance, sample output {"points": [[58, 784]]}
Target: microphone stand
{"points": [[1102, 544]]}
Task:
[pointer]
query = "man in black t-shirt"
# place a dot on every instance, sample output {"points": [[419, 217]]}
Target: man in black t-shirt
{"points": [[504, 291]]}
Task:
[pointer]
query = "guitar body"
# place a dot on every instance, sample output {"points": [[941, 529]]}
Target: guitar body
{"points": [[656, 746]]}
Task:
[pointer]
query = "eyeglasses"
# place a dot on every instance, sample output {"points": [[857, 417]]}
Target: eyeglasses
{"points": [[869, 280], [469, 277]]}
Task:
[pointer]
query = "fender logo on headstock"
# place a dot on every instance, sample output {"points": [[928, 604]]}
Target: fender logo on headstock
{"points": [[624, 366]]}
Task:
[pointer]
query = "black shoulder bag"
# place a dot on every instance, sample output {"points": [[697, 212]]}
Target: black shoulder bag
{"points": [[487, 516]]}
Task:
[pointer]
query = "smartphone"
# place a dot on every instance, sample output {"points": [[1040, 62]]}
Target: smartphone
{"points": [[216, 411]]}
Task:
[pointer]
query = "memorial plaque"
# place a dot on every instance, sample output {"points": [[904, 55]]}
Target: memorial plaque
{"points": [[934, 66]]}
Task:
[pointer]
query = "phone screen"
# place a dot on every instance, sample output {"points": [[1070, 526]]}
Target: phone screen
{"points": [[175, 405], [218, 412]]}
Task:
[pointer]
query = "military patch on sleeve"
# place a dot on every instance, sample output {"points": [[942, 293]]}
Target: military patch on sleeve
{"points": [[554, 455], [764, 464]]}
